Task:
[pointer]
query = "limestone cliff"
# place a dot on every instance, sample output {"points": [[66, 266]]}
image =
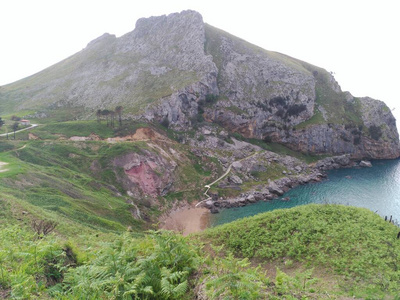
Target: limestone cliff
{"points": [[180, 70], [271, 96]]}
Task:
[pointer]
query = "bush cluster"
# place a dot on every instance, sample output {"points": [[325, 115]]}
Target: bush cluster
{"points": [[375, 132]]}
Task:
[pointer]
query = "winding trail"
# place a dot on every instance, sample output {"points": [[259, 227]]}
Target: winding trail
{"points": [[208, 186], [11, 133], [3, 164]]}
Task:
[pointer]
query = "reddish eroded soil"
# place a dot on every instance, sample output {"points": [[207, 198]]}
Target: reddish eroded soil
{"points": [[144, 176]]}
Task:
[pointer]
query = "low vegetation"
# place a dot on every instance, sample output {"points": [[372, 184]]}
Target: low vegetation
{"points": [[352, 247], [68, 231], [308, 252]]}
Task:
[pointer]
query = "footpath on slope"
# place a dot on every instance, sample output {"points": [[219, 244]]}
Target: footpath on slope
{"points": [[208, 186], [2, 166], [27, 128]]}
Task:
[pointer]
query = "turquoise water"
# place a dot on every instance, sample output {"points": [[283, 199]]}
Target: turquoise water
{"points": [[376, 188]]}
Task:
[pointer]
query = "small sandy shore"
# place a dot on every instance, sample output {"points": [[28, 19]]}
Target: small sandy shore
{"points": [[187, 220]]}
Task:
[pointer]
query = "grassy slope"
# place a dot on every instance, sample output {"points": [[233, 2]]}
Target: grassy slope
{"points": [[354, 249], [307, 252], [62, 79], [53, 178], [53, 181]]}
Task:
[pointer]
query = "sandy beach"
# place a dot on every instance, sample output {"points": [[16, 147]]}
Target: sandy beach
{"points": [[186, 220]]}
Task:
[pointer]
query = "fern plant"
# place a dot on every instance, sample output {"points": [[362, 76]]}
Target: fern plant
{"points": [[155, 267], [232, 278]]}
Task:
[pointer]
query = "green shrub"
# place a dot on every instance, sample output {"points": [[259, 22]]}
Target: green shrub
{"points": [[232, 278], [211, 98], [28, 266], [155, 267], [352, 242], [296, 109], [375, 132]]}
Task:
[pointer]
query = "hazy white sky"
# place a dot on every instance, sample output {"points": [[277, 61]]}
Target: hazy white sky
{"points": [[357, 40]]}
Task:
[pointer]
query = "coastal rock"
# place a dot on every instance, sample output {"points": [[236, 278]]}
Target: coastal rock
{"points": [[251, 199], [214, 210], [209, 204], [335, 162], [365, 164], [235, 179], [273, 188]]}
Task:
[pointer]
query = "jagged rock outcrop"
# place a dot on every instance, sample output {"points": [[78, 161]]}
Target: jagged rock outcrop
{"points": [[178, 70], [270, 96]]}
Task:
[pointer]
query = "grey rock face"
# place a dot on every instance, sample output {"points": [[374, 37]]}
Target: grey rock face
{"points": [[235, 179], [161, 62], [165, 69]]}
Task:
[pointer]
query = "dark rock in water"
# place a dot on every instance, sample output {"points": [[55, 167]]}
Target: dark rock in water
{"points": [[214, 210]]}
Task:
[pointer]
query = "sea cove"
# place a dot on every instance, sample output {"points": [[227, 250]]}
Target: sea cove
{"points": [[376, 188]]}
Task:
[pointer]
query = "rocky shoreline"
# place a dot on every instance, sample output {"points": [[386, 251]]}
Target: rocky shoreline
{"points": [[314, 173]]}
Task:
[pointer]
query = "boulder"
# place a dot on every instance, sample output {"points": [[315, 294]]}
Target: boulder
{"points": [[298, 169], [214, 210], [275, 189], [365, 164], [209, 204], [342, 160], [237, 165], [250, 198], [235, 179]]}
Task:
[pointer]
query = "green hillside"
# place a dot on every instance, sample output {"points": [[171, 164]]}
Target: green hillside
{"points": [[131, 130], [308, 252]]}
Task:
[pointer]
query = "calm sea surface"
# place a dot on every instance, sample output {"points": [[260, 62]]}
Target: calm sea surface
{"points": [[376, 188]]}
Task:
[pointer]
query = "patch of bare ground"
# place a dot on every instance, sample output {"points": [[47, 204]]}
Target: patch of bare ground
{"points": [[4, 293], [327, 285], [186, 220], [141, 134]]}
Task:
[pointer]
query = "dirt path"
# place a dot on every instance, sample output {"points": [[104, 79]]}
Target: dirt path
{"points": [[208, 186], [12, 132], [2, 166]]}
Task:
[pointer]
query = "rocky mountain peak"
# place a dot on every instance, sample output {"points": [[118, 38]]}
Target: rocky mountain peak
{"points": [[178, 70], [103, 39]]}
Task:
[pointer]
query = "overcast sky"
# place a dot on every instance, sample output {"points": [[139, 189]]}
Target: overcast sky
{"points": [[357, 40]]}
